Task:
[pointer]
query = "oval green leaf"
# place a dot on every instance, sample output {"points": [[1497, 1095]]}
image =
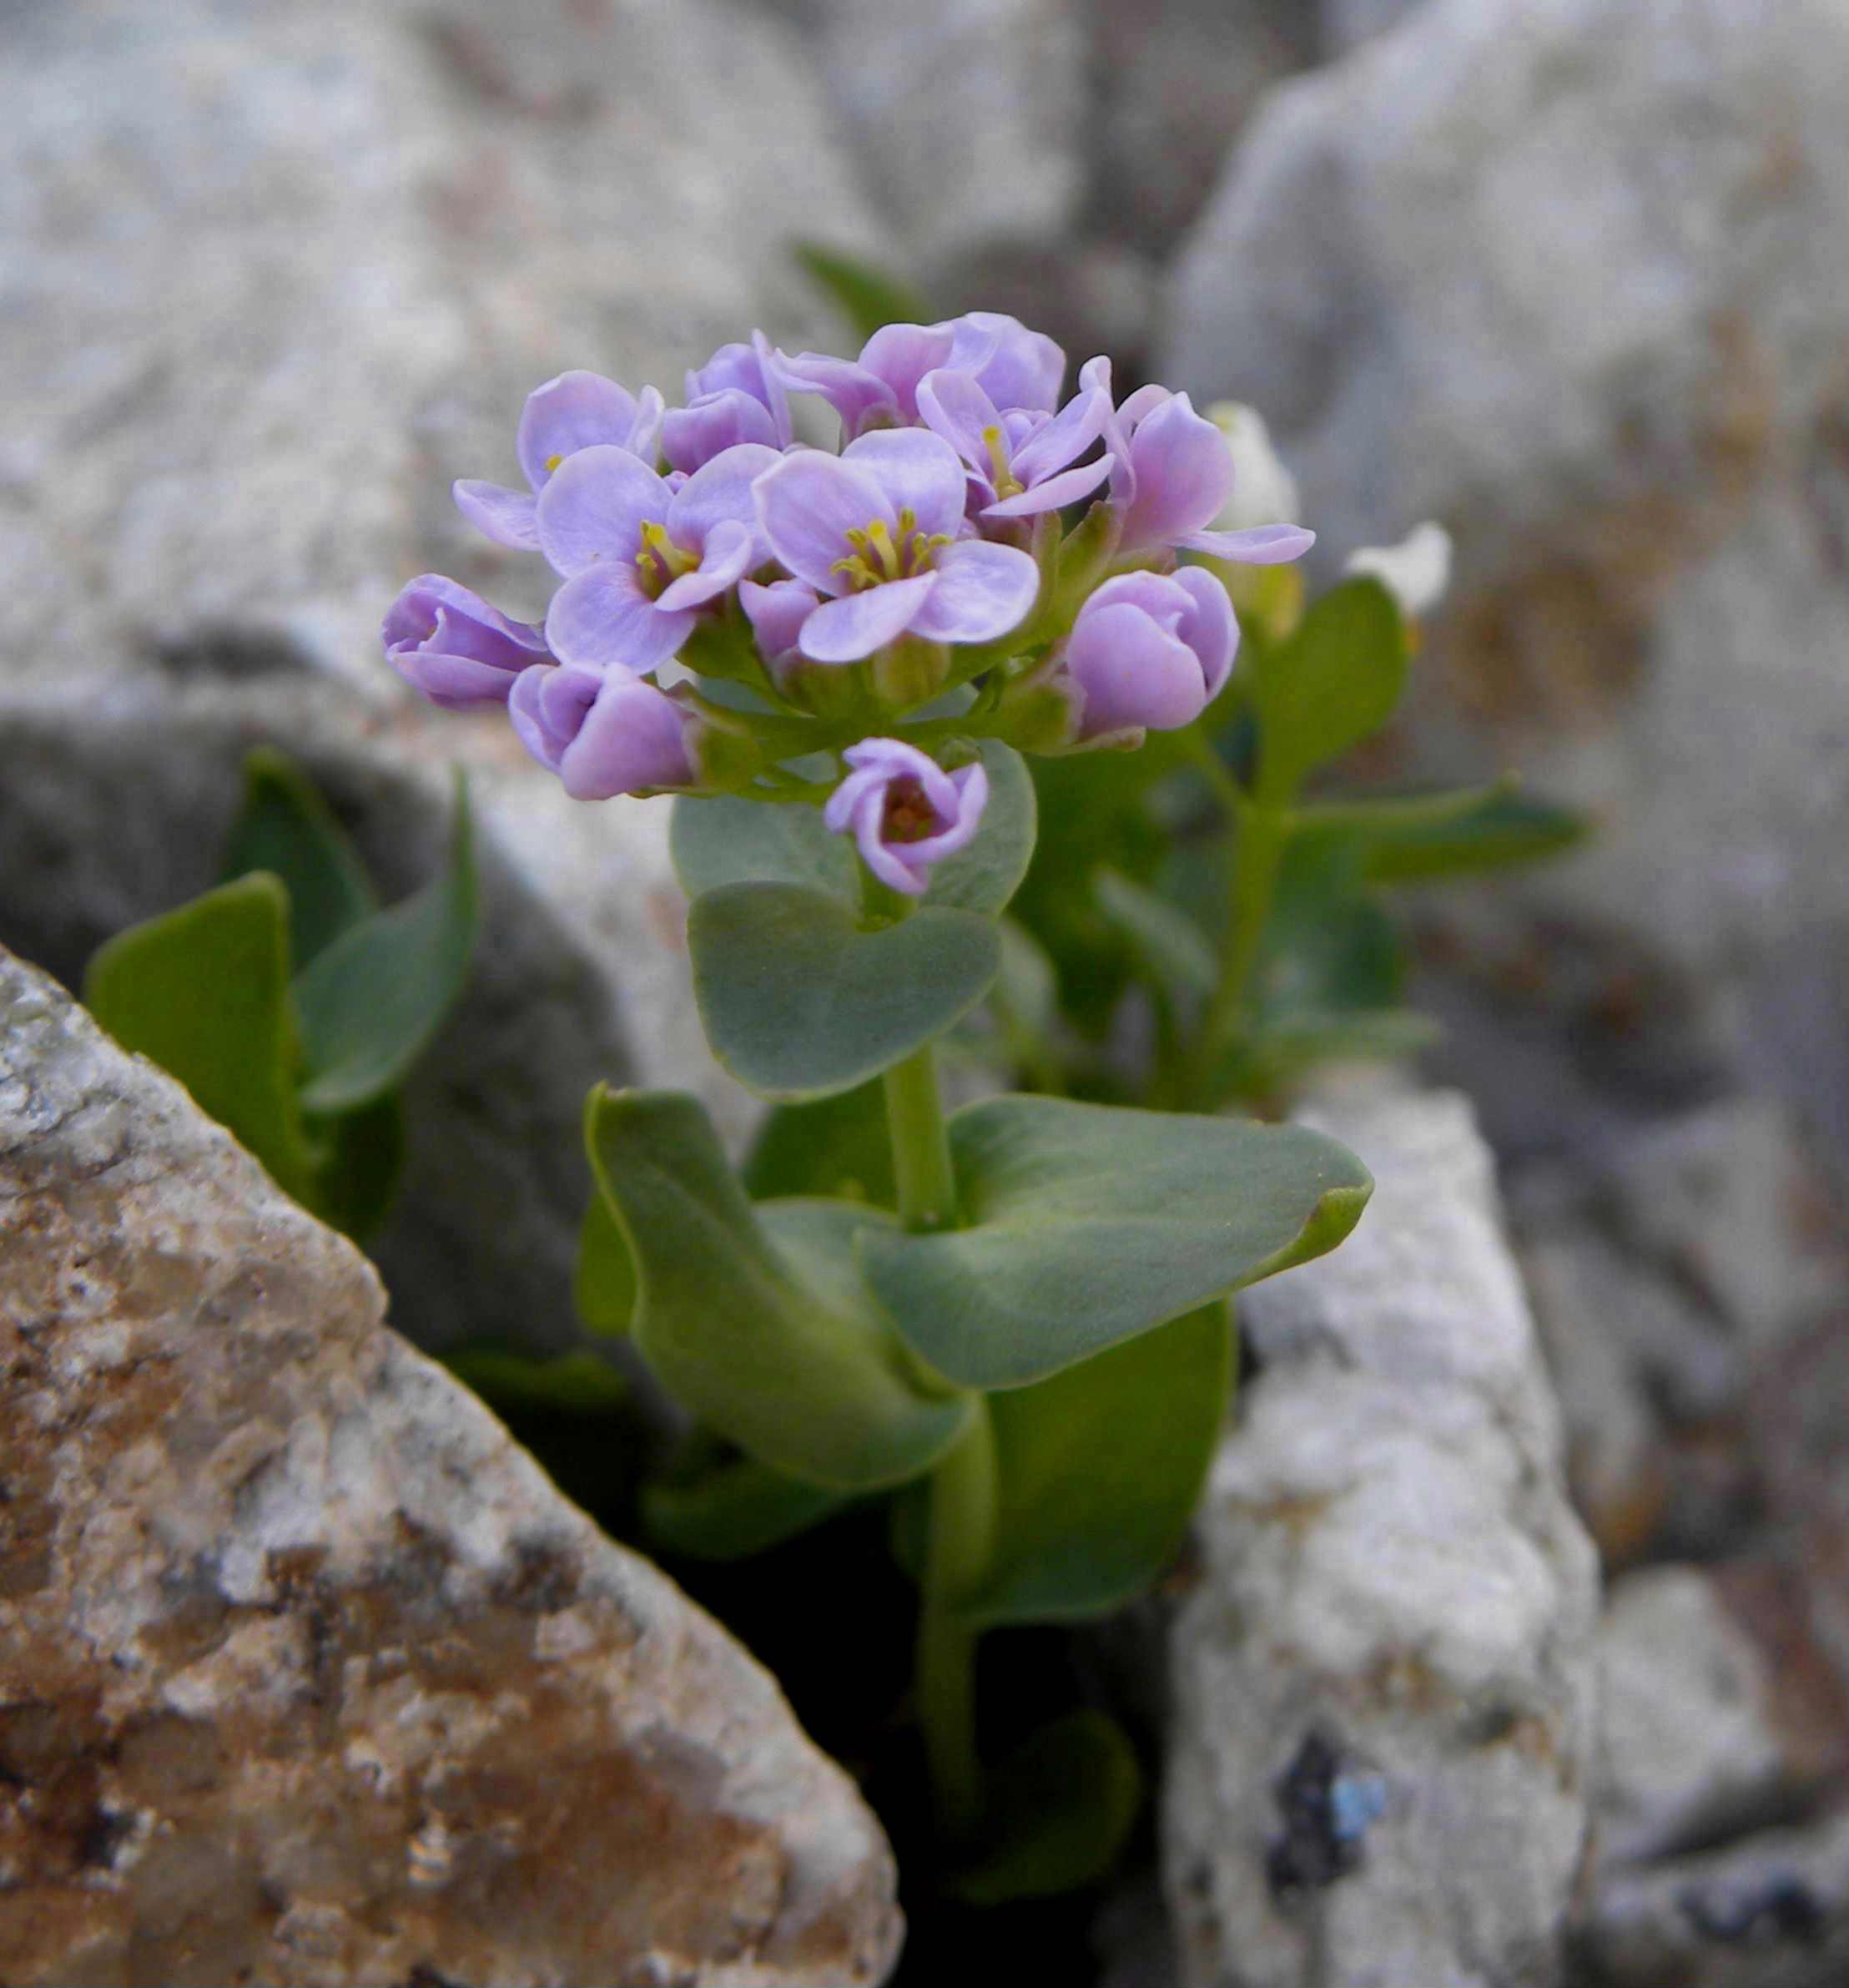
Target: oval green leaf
{"points": [[371, 1003], [287, 827], [1334, 683], [1088, 1225], [760, 1327], [797, 1001], [1098, 1470], [204, 992], [733, 1509]]}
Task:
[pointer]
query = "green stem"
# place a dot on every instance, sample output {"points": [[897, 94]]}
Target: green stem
{"points": [[920, 1142], [1264, 830], [961, 1542]]}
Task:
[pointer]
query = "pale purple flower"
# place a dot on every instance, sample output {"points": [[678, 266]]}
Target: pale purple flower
{"points": [[450, 643], [712, 423], [1015, 367], [602, 734], [640, 557], [905, 812], [576, 411], [1172, 477], [875, 528], [1151, 650], [749, 369], [777, 613], [1019, 462]]}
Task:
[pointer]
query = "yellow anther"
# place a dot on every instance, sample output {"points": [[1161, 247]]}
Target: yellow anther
{"points": [[552, 463], [1001, 474]]}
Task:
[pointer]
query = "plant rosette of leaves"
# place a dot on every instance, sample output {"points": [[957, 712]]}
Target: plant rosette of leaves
{"points": [[1015, 1319]]}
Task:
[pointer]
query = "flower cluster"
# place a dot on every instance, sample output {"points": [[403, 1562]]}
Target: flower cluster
{"points": [[938, 557]]}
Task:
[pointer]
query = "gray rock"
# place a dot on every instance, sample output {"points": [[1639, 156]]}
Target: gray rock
{"points": [[1710, 1720], [1769, 1912], [967, 118], [1384, 1680], [1562, 274], [1347, 23], [307, 1673]]}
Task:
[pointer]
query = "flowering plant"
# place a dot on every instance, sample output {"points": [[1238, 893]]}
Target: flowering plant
{"points": [[836, 656]]}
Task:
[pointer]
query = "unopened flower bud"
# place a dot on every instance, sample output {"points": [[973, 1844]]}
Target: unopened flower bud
{"points": [[904, 811], [450, 644], [603, 734], [1151, 651]]}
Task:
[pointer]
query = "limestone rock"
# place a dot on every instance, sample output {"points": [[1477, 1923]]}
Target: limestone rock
{"points": [[307, 1674], [1715, 1714], [1347, 23], [1562, 274], [1384, 1680]]}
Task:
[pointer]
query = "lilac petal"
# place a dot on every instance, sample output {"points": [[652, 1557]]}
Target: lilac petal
{"points": [[413, 616], [531, 709], [732, 550], [960, 822], [845, 630], [1133, 673], [776, 613], [952, 405], [1210, 627], [918, 471], [720, 492], [632, 737], [1159, 595], [983, 590], [505, 516], [692, 435], [855, 393], [645, 433], [901, 355], [1183, 475], [1055, 491], [1016, 367], [595, 507], [1064, 439], [880, 856], [454, 683], [602, 619], [893, 759], [808, 503], [1262, 545], [846, 798], [576, 411]]}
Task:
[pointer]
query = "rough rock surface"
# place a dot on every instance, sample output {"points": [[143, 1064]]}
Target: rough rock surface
{"points": [[272, 276], [307, 1675], [1563, 273], [1710, 1721], [1384, 1680]]}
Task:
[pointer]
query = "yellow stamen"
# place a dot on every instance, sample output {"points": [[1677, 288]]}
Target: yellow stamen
{"points": [[1006, 482], [661, 561], [552, 463]]}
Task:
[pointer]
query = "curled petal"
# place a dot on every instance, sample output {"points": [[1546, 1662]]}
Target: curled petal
{"points": [[602, 619], [901, 355], [1053, 494], [447, 642], [1210, 627], [954, 406], [1016, 367], [595, 507], [1062, 439], [731, 552], [982, 591], [547, 705], [576, 411], [855, 394], [508, 517], [632, 738], [918, 471], [1183, 473], [1262, 545], [854, 626], [1132, 672], [807, 503], [693, 434], [776, 613]]}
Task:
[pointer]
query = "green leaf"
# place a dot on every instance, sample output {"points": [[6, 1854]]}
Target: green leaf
{"points": [[358, 1158], [865, 295], [732, 1509], [1501, 832], [204, 992], [797, 1001], [603, 1285], [755, 1320], [836, 1148], [576, 1383], [1060, 1812], [371, 1003], [1088, 1225], [1098, 1469], [1167, 942], [1334, 683], [987, 874], [285, 827], [728, 840]]}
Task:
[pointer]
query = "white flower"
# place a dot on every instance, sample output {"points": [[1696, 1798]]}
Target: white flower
{"points": [[1264, 492], [1416, 572]]}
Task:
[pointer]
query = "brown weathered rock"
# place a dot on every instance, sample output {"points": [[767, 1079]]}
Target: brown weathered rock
{"points": [[307, 1674]]}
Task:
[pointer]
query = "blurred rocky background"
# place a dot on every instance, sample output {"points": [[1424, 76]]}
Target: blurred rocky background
{"points": [[1567, 275]]}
